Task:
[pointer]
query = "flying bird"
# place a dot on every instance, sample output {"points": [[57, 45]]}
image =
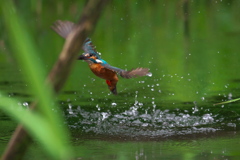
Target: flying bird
{"points": [[97, 65]]}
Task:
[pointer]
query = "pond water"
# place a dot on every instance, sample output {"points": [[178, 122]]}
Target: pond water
{"points": [[169, 115]]}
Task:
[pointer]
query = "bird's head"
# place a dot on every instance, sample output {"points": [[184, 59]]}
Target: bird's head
{"points": [[90, 58], [90, 55]]}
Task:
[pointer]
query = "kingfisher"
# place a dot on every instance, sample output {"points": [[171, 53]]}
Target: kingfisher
{"points": [[96, 64]]}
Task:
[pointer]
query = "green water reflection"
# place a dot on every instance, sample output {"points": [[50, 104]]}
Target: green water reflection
{"points": [[189, 74], [216, 146], [191, 148]]}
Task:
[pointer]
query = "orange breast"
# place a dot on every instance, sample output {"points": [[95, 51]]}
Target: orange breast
{"points": [[102, 72]]}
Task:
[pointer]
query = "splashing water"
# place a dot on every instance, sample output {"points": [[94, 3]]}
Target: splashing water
{"points": [[137, 121], [149, 74]]}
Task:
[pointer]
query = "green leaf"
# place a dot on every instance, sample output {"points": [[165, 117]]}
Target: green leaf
{"points": [[37, 126], [230, 101], [43, 125]]}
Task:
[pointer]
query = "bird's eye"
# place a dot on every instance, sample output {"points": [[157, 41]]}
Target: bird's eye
{"points": [[90, 55]]}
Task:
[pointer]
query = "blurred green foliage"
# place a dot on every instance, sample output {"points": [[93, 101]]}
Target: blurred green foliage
{"points": [[46, 126]]}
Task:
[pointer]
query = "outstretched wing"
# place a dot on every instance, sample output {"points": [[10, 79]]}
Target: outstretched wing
{"points": [[63, 28], [88, 47], [138, 72]]}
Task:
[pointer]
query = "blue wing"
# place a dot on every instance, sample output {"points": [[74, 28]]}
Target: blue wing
{"points": [[138, 72], [88, 47]]}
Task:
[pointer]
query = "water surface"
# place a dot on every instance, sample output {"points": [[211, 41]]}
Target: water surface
{"points": [[169, 115]]}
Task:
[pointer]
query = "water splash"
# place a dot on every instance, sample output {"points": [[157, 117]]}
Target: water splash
{"points": [[149, 74], [114, 104], [139, 121]]}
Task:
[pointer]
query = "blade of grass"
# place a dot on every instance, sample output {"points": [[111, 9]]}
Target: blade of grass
{"points": [[61, 69], [226, 102], [26, 54], [36, 125]]}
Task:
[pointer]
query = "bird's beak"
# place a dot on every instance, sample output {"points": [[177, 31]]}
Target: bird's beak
{"points": [[82, 57]]}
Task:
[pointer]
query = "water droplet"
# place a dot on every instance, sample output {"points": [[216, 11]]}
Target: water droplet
{"points": [[25, 104], [114, 104], [149, 74], [145, 124], [230, 96], [98, 107], [104, 115], [195, 108], [70, 111], [231, 125], [207, 118]]}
